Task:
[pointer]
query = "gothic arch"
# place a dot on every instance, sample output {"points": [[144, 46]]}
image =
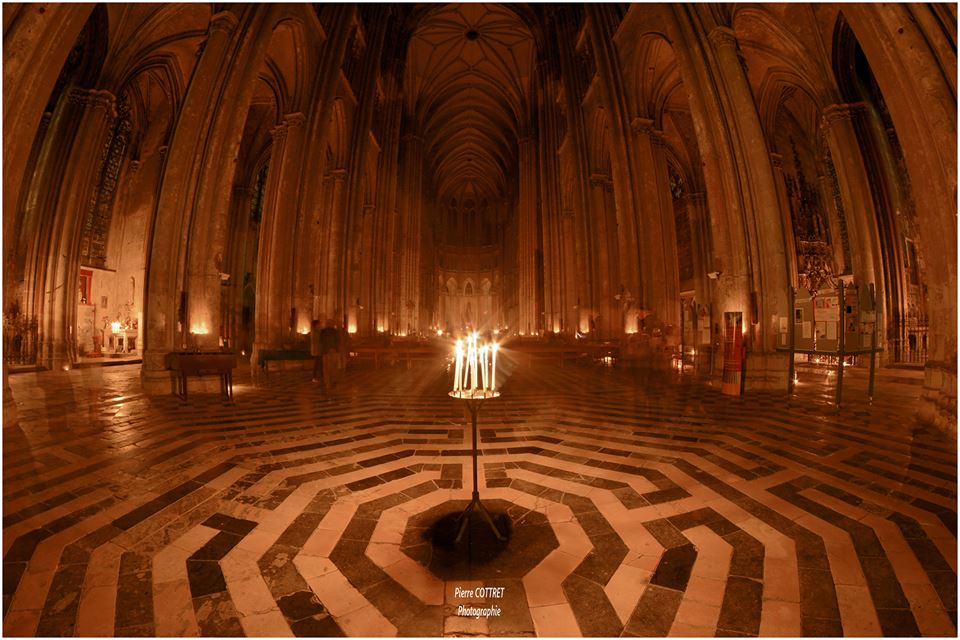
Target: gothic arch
{"points": [[600, 144], [761, 33], [656, 79]]}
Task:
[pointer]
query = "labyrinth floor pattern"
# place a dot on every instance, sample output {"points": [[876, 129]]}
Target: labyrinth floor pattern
{"points": [[639, 505]]}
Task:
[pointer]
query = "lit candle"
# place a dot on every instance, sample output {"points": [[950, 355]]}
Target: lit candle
{"points": [[483, 365], [468, 364], [493, 372], [473, 362], [459, 371]]}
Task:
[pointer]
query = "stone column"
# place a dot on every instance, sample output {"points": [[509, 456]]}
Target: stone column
{"points": [[837, 125], [363, 264], [790, 245], [656, 209], [409, 285], [306, 251], [37, 40], [192, 158], [912, 55], [236, 260], [380, 292], [277, 236], [331, 302], [548, 121], [668, 225], [571, 310], [95, 113], [764, 297], [317, 207], [601, 26], [527, 218], [697, 217], [606, 257]]}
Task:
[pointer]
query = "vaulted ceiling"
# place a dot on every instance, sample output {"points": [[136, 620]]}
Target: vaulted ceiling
{"points": [[467, 89]]}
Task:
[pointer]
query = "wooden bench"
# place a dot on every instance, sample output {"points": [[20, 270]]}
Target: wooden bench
{"points": [[267, 355]]}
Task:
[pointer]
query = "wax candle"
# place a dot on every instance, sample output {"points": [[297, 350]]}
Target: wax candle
{"points": [[473, 361], [483, 365], [457, 380], [493, 373]]}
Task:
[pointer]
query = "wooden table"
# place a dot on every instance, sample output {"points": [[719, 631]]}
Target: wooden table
{"points": [[203, 363]]}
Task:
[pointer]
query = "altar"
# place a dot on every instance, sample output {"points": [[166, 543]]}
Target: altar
{"points": [[123, 341]]}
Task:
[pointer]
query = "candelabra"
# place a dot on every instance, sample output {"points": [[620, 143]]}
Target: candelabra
{"points": [[473, 367]]}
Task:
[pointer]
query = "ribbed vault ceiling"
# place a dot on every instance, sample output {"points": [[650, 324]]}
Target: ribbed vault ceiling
{"points": [[467, 84]]}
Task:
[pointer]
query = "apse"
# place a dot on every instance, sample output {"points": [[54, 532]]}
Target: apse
{"points": [[468, 72]]}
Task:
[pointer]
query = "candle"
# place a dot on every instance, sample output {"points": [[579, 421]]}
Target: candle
{"points": [[493, 373], [469, 363], [483, 365], [457, 380], [473, 362]]}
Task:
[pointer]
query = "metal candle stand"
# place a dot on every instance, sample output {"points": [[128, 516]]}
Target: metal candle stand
{"points": [[474, 400]]}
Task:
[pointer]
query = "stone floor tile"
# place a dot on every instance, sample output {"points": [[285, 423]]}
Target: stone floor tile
{"points": [[651, 506]]}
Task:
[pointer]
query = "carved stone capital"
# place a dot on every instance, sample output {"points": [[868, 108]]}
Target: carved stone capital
{"points": [[839, 112], [225, 21], [777, 160], [641, 126], [546, 67], [294, 119], [338, 175], [599, 180], [279, 132], [95, 99], [722, 37]]}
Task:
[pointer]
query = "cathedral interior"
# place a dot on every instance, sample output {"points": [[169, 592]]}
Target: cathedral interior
{"points": [[479, 319]]}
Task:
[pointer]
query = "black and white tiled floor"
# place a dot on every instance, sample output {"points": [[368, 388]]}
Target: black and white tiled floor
{"points": [[637, 505]]}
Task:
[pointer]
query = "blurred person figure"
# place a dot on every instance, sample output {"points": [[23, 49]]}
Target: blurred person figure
{"points": [[330, 352], [316, 351]]}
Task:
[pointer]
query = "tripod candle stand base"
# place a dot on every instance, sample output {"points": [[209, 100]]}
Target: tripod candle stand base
{"points": [[474, 400], [464, 518]]}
